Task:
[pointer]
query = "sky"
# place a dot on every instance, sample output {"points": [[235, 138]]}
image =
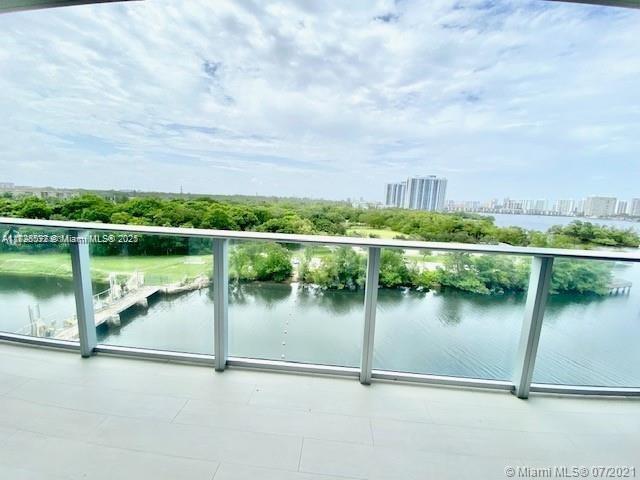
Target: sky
{"points": [[324, 99]]}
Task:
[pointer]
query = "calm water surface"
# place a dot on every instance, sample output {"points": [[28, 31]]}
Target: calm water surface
{"points": [[585, 340], [544, 222]]}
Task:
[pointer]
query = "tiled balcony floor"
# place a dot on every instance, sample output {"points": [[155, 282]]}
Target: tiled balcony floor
{"points": [[62, 417]]}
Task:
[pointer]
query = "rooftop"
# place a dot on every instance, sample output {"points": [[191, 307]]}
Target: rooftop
{"points": [[65, 417]]}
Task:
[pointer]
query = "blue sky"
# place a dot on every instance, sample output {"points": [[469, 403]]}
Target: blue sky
{"points": [[325, 99]]}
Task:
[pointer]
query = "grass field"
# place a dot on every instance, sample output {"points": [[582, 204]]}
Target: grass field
{"points": [[378, 232], [157, 269]]}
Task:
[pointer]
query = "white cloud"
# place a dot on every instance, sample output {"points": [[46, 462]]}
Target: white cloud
{"points": [[327, 99]]}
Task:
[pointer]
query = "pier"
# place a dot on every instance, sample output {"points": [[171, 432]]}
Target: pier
{"points": [[108, 305], [620, 287], [111, 312]]}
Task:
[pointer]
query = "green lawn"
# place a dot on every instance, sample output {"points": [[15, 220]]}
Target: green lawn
{"points": [[157, 269], [317, 251], [378, 232]]}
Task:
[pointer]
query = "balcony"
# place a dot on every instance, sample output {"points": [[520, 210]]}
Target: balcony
{"points": [[442, 393], [62, 416]]}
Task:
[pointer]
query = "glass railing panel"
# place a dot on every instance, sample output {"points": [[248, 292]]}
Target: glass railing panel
{"points": [[153, 291], [591, 332], [295, 303], [452, 314], [36, 287]]}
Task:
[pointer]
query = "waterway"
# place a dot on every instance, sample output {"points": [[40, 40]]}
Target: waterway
{"points": [[544, 222], [584, 341]]}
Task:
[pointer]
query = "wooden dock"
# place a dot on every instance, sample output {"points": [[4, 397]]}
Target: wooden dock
{"points": [[139, 296], [619, 286]]}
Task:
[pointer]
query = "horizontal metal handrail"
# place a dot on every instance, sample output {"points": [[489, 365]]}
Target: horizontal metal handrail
{"points": [[329, 240]]}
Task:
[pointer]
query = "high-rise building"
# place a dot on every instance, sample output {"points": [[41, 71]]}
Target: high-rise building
{"points": [[395, 194], [621, 208], [512, 205], [425, 193], [634, 208], [564, 207], [534, 206], [600, 206]]}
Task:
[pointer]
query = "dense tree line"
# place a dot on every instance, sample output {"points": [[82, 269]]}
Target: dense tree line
{"points": [[482, 274], [288, 216], [343, 268]]}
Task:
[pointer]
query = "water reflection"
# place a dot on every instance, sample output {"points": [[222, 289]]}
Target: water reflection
{"points": [[335, 302], [450, 313], [390, 297], [40, 288], [267, 293], [585, 339]]}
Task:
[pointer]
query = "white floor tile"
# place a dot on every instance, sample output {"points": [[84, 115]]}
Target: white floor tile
{"points": [[214, 444], [384, 463], [229, 471], [35, 417], [277, 420], [99, 400], [78, 460], [66, 418]]}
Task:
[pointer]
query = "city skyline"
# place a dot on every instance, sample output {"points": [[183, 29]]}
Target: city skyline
{"points": [[631, 204], [322, 100], [589, 206]]}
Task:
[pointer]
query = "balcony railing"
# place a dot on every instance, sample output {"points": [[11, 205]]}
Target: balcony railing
{"points": [[524, 359]]}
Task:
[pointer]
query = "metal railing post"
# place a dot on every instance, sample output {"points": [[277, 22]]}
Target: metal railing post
{"points": [[83, 291], [221, 302], [537, 294], [370, 303]]}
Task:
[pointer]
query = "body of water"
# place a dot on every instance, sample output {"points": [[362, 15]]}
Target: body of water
{"points": [[585, 340], [544, 222]]}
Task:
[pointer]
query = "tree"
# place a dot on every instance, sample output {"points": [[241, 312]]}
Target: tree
{"points": [[500, 273], [484, 274], [88, 208], [218, 217], [459, 272], [581, 276], [244, 217], [343, 269], [142, 207], [260, 261], [513, 236], [588, 233], [33, 207], [393, 270], [290, 223]]}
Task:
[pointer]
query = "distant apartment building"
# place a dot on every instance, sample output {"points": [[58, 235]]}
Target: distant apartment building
{"points": [[491, 204], [46, 192], [395, 194], [600, 206], [564, 207], [463, 206], [418, 193], [425, 193], [535, 206], [512, 205], [622, 207], [634, 207]]}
